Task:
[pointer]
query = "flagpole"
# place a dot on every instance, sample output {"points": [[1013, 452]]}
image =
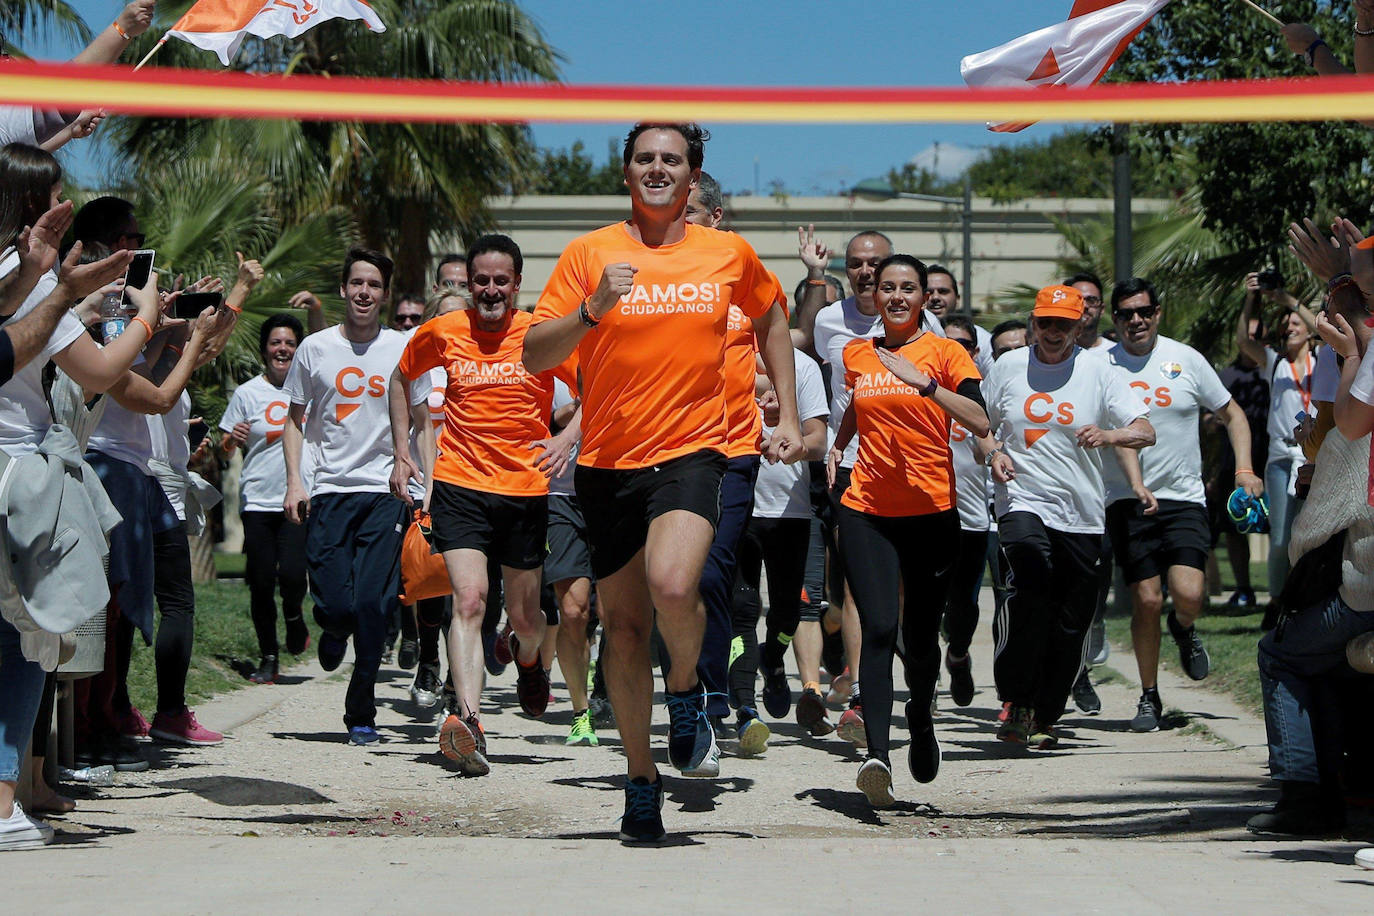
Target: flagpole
{"points": [[149, 56], [1264, 12]]}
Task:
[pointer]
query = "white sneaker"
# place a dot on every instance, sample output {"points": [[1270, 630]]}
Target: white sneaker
{"points": [[875, 782], [1365, 857], [19, 831]]}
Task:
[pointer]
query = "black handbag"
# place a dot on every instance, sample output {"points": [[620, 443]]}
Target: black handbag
{"points": [[1313, 579]]}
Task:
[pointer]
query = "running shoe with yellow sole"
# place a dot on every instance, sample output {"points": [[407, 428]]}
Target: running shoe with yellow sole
{"points": [[583, 731], [875, 782]]}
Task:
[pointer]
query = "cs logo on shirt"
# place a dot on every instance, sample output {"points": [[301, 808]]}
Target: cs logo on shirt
{"points": [[1042, 408], [275, 415], [1161, 396], [352, 383]]}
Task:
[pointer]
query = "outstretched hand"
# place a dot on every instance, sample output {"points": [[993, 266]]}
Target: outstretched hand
{"points": [[1325, 257]]}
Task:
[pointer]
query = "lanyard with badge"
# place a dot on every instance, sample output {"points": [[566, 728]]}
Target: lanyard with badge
{"points": [[1304, 384]]}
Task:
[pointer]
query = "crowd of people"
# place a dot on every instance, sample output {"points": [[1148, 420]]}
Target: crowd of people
{"points": [[603, 480]]}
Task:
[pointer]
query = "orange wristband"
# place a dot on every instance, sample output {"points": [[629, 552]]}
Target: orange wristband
{"points": [[1240, 471], [146, 326], [122, 34], [820, 282]]}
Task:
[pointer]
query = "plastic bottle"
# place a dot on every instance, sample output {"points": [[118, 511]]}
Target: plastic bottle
{"points": [[113, 317]]}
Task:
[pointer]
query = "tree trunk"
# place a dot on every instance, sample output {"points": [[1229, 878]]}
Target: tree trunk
{"points": [[202, 556]]}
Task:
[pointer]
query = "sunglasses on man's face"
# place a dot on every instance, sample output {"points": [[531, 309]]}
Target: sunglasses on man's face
{"points": [[408, 319], [966, 344], [1145, 313], [1063, 324]]}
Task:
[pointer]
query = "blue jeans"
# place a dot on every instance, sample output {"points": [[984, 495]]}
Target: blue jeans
{"points": [[21, 688], [1299, 673], [1282, 508]]}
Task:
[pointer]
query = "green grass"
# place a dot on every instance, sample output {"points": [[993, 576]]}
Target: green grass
{"points": [[225, 648], [230, 565]]}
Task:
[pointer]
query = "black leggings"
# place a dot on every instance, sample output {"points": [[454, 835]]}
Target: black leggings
{"points": [[176, 627], [781, 545], [961, 603], [274, 549], [898, 571]]}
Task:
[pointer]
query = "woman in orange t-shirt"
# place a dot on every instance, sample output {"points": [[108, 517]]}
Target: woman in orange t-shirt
{"points": [[898, 519]]}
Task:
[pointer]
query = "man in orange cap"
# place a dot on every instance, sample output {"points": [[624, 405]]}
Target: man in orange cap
{"points": [[1054, 412]]}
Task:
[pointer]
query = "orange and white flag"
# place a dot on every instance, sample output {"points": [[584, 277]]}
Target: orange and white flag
{"points": [[1078, 52], [221, 25]]}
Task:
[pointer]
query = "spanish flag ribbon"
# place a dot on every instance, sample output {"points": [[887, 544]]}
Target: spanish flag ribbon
{"points": [[200, 93]]}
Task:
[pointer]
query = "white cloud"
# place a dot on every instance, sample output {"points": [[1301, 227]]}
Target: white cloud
{"points": [[946, 160]]}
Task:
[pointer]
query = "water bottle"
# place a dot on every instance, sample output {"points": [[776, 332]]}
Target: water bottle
{"points": [[113, 318]]}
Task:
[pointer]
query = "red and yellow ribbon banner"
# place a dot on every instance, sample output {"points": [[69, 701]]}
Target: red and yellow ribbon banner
{"points": [[231, 94]]}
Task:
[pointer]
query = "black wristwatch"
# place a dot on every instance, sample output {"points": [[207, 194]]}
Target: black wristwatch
{"points": [[929, 389]]}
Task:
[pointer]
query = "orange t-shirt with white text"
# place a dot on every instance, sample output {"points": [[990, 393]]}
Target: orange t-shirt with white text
{"points": [[743, 419], [493, 408], [904, 466], [653, 385]]}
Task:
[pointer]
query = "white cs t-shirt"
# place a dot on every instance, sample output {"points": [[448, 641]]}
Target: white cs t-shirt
{"points": [[562, 485], [1174, 382], [1036, 411], [970, 480], [24, 412], [263, 406], [170, 435], [784, 490], [836, 325], [343, 385], [1286, 401]]}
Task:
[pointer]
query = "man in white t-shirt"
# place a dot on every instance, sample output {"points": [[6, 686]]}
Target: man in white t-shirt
{"points": [[777, 537], [1054, 412], [1176, 383], [1090, 331], [354, 526], [836, 325], [942, 301]]}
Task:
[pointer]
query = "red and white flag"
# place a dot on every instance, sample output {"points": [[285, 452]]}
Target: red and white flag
{"points": [[221, 25], [1078, 52]]}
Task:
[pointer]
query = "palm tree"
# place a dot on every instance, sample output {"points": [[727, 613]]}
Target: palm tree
{"points": [[20, 19], [404, 184]]}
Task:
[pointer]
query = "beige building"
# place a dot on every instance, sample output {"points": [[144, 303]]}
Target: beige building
{"points": [[1011, 243]]}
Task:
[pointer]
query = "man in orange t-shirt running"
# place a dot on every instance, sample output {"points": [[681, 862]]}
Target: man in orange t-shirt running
{"points": [[645, 304], [490, 492]]}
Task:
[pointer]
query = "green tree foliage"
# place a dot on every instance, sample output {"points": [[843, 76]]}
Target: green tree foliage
{"points": [[1072, 163], [403, 184], [573, 171], [20, 19], [1253, 179]]}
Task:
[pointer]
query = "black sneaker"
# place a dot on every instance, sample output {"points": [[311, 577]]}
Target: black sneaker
{"points": [[266, 672], [124, 754], [531, 683], [1148, 712], [1191, 654], [643, 818], [960, 679], [297, 635], [811, 714], [1302, 810], [1084, 696], [692, 746], [408, 656], [777, 695], [722, 728], [923, 754], [425, 689], [331, 650], [1242, 599], [603, 716]]}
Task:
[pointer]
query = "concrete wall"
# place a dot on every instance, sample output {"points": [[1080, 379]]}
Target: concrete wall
{"points": [[1012, 243]]}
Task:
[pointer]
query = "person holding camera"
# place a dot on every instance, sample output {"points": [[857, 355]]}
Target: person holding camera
{"points": [[1289, 369]]}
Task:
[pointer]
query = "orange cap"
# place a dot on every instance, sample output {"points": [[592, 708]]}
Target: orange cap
{"points": [[1058, 302]]}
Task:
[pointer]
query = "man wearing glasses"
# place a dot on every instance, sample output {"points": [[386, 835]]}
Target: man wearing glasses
{"points": [[1089, 336], [1174, 382]]}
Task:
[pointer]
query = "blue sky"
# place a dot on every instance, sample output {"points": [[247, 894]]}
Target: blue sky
{"points": [[800, 43]]}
